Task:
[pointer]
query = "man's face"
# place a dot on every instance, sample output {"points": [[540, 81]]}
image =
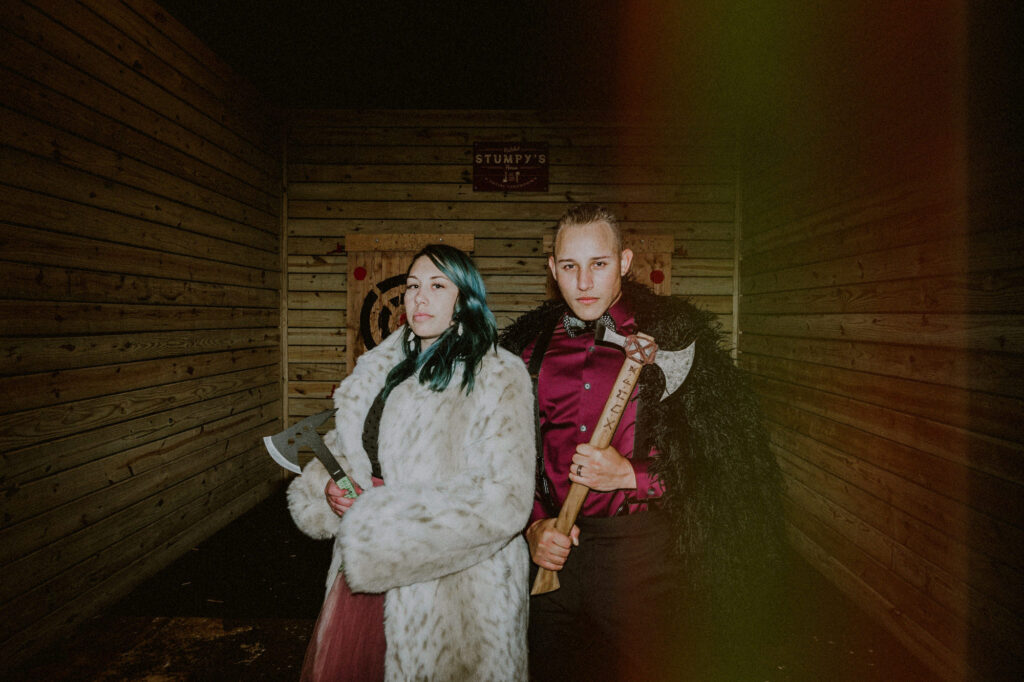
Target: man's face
{"points": [[588, 268]]}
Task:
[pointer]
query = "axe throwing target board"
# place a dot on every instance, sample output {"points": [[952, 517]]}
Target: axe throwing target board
{"points": [[652, 260], [377, 264]]}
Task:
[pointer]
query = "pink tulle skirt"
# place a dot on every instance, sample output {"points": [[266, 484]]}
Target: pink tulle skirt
{"points": [[348, 640]]}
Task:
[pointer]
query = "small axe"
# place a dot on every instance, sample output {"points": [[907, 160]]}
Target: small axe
{"points": [[640, 350], [284, 448]]}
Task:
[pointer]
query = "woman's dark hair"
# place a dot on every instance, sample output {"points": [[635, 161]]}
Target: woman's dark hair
{"points": [[472, 333]]}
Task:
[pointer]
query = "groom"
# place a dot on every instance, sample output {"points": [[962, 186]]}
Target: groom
{"points": [[683, 503]]}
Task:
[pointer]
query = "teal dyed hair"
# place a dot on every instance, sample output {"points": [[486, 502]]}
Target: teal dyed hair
{"points": [[436, 365]]}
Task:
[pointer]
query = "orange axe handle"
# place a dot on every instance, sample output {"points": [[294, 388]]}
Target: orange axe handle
{"points": [[547, 581]]}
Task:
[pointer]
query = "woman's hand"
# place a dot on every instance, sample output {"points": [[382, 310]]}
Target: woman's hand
{"points": [[336, 497], [548, 548]]}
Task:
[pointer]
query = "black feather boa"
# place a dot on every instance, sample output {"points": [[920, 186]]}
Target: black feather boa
{"points": [[723, 486]]}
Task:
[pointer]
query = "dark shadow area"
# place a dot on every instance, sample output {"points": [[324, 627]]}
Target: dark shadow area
{"points": [[242, 604], [995, 139], [571, 54], [259, 566], [239, 606], [402, 55]]}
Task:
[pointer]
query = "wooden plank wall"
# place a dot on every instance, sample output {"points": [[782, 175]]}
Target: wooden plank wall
{"points": [[351, 172], [883, 332], [141, 190]]}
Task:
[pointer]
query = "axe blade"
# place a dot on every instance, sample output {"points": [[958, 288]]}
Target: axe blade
{"points": [[279, 457], [284, 446], [674, 364]]}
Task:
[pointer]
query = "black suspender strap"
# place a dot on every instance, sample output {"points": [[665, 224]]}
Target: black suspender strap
{"points": [[371, 432], [536, 358]]}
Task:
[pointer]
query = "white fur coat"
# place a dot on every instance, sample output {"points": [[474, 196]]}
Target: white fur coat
{"points": [[442, 536]]}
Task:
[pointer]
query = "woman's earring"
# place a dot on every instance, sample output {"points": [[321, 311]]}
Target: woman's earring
{"points": [[412, 343], [458, 331]]}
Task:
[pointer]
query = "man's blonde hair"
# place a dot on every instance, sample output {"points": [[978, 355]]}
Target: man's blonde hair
{"points": [[585, 214]]}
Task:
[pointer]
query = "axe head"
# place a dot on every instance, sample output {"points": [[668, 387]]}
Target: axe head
{"points": [[284, 447], [674, 364]]}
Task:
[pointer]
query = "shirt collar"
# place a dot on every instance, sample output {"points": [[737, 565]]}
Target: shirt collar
{"points": [[620, 311]]}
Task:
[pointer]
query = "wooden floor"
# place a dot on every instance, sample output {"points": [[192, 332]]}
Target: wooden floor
{"points": [[241, 606]]}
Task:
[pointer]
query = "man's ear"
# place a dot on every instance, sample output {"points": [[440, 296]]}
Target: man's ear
{"points": [[625, 260], [551, 267]]}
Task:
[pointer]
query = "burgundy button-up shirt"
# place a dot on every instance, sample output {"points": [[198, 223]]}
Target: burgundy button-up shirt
{"points": [[575, 380]]}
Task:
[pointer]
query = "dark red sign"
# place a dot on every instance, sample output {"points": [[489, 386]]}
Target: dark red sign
{"points": [[510, 166]]}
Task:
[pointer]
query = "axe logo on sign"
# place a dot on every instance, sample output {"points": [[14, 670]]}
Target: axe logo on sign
{"points": [[383, 310]]}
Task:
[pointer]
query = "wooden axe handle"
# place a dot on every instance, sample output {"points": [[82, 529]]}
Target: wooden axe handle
{"points": [[547, 581]]}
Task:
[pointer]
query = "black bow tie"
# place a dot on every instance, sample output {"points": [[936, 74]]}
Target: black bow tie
{"points": [[574, 326]]}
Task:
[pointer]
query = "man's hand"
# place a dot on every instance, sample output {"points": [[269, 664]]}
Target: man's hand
{"points": [[548, 548], [601, 469], [336, 497]]}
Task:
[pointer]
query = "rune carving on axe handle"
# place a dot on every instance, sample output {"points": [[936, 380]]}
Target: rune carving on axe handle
{"points": [[640, 350]]}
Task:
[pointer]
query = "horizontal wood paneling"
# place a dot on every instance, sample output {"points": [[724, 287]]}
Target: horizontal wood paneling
{"points": [[644, 173], [73, 449], [24, 170], [398, 191], [882, 326], [140, 298], [25, 281], [62, 222], [355, 172]]}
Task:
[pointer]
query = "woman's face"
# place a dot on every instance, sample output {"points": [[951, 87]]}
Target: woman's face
{"points": [[429, 301]]}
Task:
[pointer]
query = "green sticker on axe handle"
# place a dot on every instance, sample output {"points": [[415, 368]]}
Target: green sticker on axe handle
{"points": [[346, 484], [350, 491]]}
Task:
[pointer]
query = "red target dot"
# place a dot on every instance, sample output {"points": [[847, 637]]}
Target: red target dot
{"points": [[657, 276], [359, 273]]}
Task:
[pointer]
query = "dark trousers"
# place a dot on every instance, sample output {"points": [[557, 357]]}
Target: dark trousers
{"points": [[617, 614]]}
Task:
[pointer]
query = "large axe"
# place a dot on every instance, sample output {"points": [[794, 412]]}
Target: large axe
{"points": [[640, 350], [284, 448]]}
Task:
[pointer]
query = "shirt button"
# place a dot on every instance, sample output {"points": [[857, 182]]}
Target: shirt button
{"points": [[586, 386], [583, 428], [590, 350], [650, 491]]}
